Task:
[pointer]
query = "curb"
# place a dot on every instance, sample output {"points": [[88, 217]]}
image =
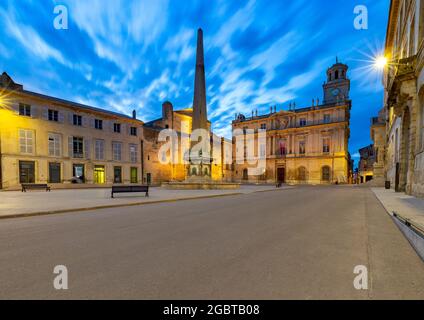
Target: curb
{"points": [[122, 205], [415, 239]]}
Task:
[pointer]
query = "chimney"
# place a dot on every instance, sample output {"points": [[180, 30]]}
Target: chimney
{"points": [[167, 110], [134, 114]]}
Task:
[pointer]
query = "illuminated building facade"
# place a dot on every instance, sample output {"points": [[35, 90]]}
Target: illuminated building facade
{"points": [[66, 144], [303, 146], [404, 96], [158, 164]]}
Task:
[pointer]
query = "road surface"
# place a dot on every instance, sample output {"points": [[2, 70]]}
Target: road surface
{"points": [[302, 243]]}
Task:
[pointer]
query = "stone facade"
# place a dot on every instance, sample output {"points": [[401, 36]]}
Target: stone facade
{"points": [[378, 136], [180, 121], [49, 140], [404, 96], [366, 164], [306, 145]]}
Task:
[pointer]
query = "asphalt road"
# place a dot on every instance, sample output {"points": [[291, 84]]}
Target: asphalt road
{"points": [[302, 243]]}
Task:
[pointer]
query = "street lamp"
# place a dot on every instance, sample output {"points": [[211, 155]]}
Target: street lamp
{"points": [[380, 62]]}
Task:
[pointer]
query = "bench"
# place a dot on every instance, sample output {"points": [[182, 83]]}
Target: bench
{"points": [[130, 189], [37, 186]]}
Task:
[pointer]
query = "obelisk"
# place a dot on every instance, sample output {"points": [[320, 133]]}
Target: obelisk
{"points": [[200, 164], [200, 116]]}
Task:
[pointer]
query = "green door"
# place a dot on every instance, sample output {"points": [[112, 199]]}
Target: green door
{"points": [[26, 171], [54, 172], [134, 175]]}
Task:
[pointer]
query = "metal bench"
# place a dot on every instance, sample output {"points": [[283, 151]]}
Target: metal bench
{"points": [[35, 186], [130, 189]]}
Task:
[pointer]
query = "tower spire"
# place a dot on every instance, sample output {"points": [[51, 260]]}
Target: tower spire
{"points": [[200, 120]]}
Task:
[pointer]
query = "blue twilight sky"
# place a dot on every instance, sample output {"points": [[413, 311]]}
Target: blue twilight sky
{"points": [[122, 54]]}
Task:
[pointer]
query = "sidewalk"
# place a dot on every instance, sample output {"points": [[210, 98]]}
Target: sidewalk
{"points": [[16, 203], [406, 206]]}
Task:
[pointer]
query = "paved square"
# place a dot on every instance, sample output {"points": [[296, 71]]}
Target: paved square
{"points": [[300, 243]]}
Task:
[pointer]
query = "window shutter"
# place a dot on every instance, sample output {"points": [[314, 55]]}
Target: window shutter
{"points": [[15, 108], [107, 126], [70, 146], [70, 118], [61, 117], [85, 122], [91, 121], [34, 111], [87, 148]]}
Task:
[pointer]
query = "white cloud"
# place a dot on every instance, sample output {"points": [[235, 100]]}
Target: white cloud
{"points": [[274, 56], [30, 39], [117, 29]]}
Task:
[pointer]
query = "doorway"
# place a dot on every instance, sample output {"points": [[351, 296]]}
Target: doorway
{"points": [[54, 172], [26, 171], [134, 175], [117, 175], [78, 173], [245, 174], [99, 175], [281, 175]]}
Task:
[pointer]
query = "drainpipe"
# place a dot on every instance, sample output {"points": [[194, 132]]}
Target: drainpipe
{"points": [[142, 160]]}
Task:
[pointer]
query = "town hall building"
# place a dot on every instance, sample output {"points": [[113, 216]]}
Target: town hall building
{"points": [[303, 145]]}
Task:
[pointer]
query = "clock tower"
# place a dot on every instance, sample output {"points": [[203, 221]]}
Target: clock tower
{"points": [[337, 87]]}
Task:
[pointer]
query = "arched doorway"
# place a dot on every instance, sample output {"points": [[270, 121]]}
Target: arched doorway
{"points": [[281, 175], [245, 174], [194, 171], [301, 174]]}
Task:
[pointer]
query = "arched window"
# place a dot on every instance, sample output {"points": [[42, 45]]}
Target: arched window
{"points": [[301, 174], [336, 74], [194, 171], [326, 173]]}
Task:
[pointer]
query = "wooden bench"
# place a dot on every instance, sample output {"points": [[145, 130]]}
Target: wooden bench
{"points": [[130, 189], [37, 186]]}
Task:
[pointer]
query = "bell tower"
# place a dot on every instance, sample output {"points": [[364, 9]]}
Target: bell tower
{"points": [[337, 87]]}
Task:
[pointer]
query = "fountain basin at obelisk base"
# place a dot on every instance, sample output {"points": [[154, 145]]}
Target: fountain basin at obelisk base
{"points": [[189, 184]]}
